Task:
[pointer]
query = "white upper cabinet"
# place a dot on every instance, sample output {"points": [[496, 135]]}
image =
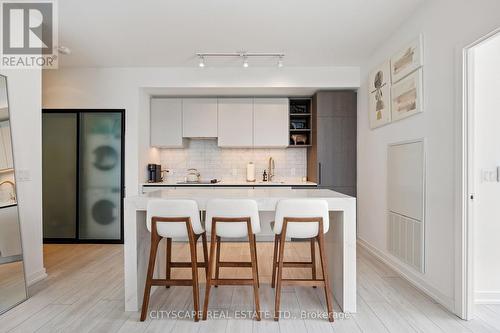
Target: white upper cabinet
{"points": [[270, 122], [166, 122], [235, 122], [199, 117], [6, 161]]}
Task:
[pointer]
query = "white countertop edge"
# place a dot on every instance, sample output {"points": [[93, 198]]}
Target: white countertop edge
{"points": [[265, 197], [235, 183]]}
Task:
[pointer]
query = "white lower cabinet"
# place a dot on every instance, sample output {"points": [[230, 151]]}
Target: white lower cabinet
{"points": [[235, 122]]}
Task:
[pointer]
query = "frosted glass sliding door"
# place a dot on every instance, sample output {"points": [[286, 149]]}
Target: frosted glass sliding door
{"points": [[100, 175], [83, 175], [59, 142]]}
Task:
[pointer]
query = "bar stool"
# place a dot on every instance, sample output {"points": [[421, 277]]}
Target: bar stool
{"points": [[300, 218], [232, 218], [169, 219]]}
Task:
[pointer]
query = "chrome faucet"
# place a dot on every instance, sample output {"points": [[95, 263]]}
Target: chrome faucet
{"points": [[270, 171], [13, 193]]}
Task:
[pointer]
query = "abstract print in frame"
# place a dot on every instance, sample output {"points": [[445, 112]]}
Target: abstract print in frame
{"points": [[379, 93], [407, 96], [407, 60]]}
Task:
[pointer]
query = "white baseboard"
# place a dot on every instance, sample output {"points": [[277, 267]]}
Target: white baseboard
{"points": [[414, 277], [35, 277], [487, 297]]}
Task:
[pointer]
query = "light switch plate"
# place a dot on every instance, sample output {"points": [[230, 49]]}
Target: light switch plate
{"points": [[490, 175]]}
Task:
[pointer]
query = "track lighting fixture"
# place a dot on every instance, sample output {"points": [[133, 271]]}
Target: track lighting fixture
{"points": [[245, 55]]}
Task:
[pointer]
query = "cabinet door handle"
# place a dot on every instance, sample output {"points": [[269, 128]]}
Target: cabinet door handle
{"points": [[319, 173]]}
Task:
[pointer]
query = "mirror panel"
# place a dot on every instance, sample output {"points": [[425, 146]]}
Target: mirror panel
{"points": [[12, 278]]}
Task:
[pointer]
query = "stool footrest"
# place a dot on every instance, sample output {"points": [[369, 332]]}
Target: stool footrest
{"points": [[297, 264], [179, 264], [172, 282], [234, 264], [232, 282], [303, 282]]}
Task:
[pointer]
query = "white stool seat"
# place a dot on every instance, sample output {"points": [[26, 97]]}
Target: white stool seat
{"points": [[228, 208], [174, 208], [297, 208]]}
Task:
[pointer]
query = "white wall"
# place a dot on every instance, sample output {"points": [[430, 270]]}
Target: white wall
{"points": [[447, 26], [128, 88], [486, 226], [25, 102]]}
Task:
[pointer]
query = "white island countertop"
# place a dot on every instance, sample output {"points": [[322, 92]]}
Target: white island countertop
{"points": [[266, 197], [340, 239]]}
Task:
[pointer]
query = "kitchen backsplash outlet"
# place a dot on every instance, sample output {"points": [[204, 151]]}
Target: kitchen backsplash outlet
{"points": [[229, 164]]}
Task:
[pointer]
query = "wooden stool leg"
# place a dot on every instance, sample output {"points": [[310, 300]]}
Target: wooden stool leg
{"points": [[324, 268], [256, 260], [280, 274], [205, 251], [168, 269], [194, 268], [155, 240], [253, 256], [275, 259], [217, 260], [313, 259], [210, 269]]}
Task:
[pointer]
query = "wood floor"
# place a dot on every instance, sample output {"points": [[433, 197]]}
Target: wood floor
{"points": [[84, 293]]}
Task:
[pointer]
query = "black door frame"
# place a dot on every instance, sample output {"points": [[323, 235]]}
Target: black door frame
{"points": [[76, 239]]}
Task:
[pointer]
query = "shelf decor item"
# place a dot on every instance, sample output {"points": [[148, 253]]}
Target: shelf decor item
{"points": [[298, 108], [379, 91], [298, 123], [299, 139]]}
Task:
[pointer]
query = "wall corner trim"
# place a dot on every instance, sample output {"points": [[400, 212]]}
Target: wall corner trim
{"points": [[36, 277]]}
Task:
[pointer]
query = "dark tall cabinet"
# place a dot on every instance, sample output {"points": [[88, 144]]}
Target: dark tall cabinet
{"points": [[332, 157]]}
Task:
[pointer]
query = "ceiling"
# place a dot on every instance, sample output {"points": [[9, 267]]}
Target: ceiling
{"points": [[118, 33]]}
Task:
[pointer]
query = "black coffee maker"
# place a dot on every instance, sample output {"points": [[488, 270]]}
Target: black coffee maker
{"points": [[154, 173]]}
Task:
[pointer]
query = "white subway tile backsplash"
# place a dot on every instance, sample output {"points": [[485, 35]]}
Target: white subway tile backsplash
{"points": [[214, 162]]}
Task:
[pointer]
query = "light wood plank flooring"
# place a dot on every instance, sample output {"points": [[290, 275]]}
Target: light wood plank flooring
{"points": [[84, 293]]}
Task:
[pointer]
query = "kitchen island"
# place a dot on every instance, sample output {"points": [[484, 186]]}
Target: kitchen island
{"points": [[340, 240]]}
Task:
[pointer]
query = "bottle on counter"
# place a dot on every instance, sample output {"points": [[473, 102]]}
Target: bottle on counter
{"points": [[264, 176]]}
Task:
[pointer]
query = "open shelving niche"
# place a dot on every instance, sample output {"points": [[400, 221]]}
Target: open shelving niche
{"points": [[300, 113]]}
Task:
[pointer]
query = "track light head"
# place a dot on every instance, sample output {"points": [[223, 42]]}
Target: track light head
{"points": [[201, 64], [245, 61], [280, 62]]}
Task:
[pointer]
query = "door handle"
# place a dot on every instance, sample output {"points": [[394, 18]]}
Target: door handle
{"points": [[319, 173]]}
